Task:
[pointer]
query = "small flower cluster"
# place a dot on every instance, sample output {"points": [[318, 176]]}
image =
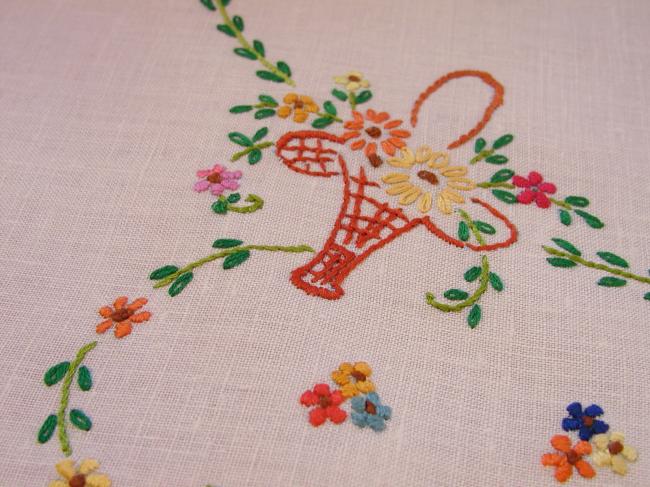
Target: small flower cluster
{"points": [[356, 385], [606, 449]]}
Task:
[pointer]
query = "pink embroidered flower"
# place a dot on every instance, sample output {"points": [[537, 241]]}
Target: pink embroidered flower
{"points": [[535, 189], [217, 180], [327, 405]]}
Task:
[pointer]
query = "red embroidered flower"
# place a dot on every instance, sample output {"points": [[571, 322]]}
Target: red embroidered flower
{"points": [[327, 405], [535, 189], [369, 131], [568, 457], [122, 316]]}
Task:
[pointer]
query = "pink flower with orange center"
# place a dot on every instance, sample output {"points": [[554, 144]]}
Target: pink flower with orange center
{"points": [[373, 130]]}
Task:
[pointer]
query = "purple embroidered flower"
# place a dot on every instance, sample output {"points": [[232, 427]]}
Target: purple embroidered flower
{"points": [[584, 421], [217, 180]]}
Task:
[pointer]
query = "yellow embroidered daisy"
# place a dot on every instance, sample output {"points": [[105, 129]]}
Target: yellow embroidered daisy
{"points": [[352, 80], [83, 476], [353, 379], [612, 451], [300, 105], [450, 179]]}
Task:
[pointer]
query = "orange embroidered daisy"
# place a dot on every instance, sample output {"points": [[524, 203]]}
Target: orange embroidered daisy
{"points": [[122, 316], [300, 105], [353, 378], [373, 130]]}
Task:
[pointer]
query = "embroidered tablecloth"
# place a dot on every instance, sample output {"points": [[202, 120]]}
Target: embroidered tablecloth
{"points": [[314, 243]]}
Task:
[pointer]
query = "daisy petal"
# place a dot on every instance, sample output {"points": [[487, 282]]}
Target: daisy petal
{"points": [[141, 317], [98, 480], [105, 311], [216, 189], [535, 178], [201, 186], [542, 200], [547, 188], [317, 416], [65, 468], [104, 326], [563, 472], [123, 329], [585, 469], [120, 302], [629, 453], [520, 182], [88, 465], [561, 443], [526, 196]]}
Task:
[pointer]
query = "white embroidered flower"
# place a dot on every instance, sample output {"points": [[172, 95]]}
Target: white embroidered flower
{"points": [[612, 451]]}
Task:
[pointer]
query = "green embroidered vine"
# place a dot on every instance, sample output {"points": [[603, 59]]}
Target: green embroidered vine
{"points": [[353, 98], [66, 371], [327, 117], [234, 254], [233, 27], [488, 154], [225, 204], [265, 108], [572, 257], [570, 203], [252, 148]]}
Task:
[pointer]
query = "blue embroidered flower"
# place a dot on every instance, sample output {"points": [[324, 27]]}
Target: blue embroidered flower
{"points": [[369, 411], [585, 421]]}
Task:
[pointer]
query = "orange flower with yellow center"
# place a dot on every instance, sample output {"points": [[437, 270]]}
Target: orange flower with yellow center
{"points": [[300, 105], [440, 178]]}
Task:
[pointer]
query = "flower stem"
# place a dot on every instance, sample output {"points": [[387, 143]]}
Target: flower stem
{"points": [[65, 396], [224, 253], [256, 204], [353, 100], [246, 45], [264, 105], [488, 184], [561, 203], [329, 115], [262, 146], [472, 227], [481, 155], [484, 279], [595, 265]]}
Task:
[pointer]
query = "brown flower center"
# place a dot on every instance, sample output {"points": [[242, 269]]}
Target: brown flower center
{"points": [[374, 132], [370, 408], [325, 401], [428, 176], [121, 314], [354, 78], [375, 160], [615, 447], [298, 104], [572, 457], [358, 375], [78, 480], [214, 178], [587, 421]]}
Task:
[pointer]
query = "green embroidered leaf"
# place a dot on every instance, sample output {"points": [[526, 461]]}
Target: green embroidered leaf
{"points": [[613, 259], [224, 2], [472, 274], [284, 67], [180, 283], [479, 145], [254, 156], [456, 294], [264, 113], [566, 246], [647, 296], [320, 123], [463, 231], [260, 134], [496, 281], [268, 99], [496, 159], [579, 201], [47, 429], [502, 175], [233, 197], [84, 378], [259, 47], [502, 141], [561, 262], [240, 51], [240, 139], [239, 23], [233, 260], [220, 206], [474, 316], [329, 107], [484, 227], [565, 217], [209, 5], [55, 373], [363, 97], [269, 76], [80, 420], [590, 219], [241, 108], [340, 95], [505, 196], [162, 272], [226, 30], [226, 243], [611, 281]]}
